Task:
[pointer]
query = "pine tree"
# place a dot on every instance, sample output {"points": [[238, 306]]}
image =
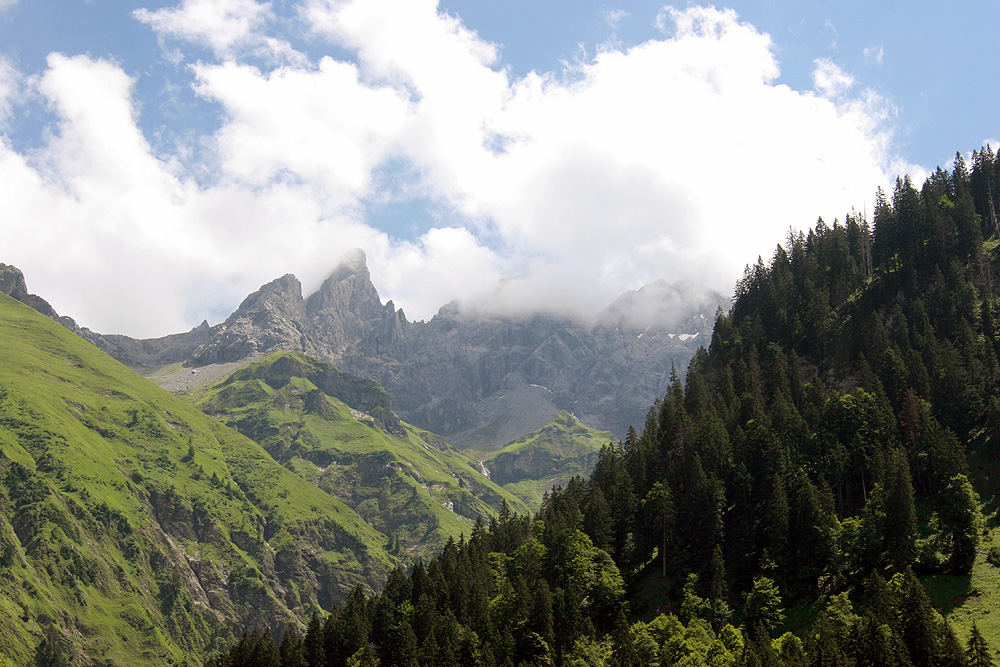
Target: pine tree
{"points": [[918, 620], [899, 526], [949, 652], [292, 650], [977, 651], [659, 510], [597, 521], [960, 518], [315, 655]]}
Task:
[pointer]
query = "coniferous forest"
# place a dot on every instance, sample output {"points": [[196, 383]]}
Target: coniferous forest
{"points": [[816, 457]]}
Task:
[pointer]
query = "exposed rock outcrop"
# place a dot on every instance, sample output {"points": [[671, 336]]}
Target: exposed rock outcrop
{"points": [[269, 319], [12, 284]]}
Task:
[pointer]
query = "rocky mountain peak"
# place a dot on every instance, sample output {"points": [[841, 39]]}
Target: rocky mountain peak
{"points": [[349, 289], [665, 306], [354, 262], [480, 378], [12, 280], [13, 285], [282, 296]]}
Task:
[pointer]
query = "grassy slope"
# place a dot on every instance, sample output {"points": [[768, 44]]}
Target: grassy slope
{"points": [[134, 552], [976, 598], [406, 482], [550, 456], [967, 599]]}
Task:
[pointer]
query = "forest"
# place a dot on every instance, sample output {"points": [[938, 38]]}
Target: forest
{"points": [[781, 505]]}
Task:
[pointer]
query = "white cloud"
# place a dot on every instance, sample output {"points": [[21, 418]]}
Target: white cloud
{"points": [[874, 54], [680, 158], [640, 166], [10, 88], [614, 17], [320, 125], [6, 4], [829, 79], [443, 261], [222, 25]]}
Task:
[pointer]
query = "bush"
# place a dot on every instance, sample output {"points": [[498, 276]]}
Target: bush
{"points": [[993, 556]]}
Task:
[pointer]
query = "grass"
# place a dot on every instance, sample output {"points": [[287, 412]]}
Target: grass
{"points": [[965, 600], [114, 535], [538, 461], [976, 598]]}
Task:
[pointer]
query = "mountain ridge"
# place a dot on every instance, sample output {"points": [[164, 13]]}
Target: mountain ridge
{"points": [[466, 374]]}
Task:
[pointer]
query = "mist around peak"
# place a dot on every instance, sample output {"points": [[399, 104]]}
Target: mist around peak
{"points": [[659, 305]]}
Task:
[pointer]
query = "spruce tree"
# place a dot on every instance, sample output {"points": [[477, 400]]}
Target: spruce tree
{"points": [[960, 518], [292, 650], [977, 651], [899, 527]]}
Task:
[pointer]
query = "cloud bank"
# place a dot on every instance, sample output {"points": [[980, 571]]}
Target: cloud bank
{"points": [[680, 158]]}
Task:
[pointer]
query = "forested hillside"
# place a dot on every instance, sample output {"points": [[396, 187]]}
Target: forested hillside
{"points": [[783, 504]]}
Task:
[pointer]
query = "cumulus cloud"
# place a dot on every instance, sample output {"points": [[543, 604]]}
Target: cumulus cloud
{"points": [[678, 158], [321, 125], [224, 26], [638, 166]]}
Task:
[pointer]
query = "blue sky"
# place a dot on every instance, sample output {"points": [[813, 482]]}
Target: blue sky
{"points": [[522, 156]]}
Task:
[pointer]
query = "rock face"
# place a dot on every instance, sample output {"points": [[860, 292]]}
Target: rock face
{"points": [[344, 315], [150, 352], [483, 382], [269, 319], [12, 284], [479, 380]]}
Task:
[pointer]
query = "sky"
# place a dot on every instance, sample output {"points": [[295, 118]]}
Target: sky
{"points": [[161, 160]]}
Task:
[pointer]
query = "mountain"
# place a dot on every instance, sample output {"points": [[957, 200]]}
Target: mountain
{"points": [[135, 529], [480, 380], [340, 432], [537, 462]]}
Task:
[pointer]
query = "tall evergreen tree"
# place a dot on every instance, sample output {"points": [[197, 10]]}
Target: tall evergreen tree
{"points": [[977, 651]]}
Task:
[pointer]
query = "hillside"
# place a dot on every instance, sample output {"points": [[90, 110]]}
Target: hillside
{"points": [[136, 530], [539, 461], [340, 432]]}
